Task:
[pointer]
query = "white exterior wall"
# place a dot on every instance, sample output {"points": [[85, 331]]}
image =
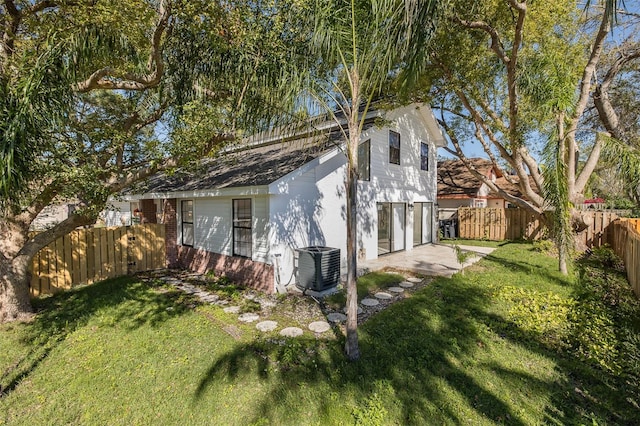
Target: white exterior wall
{"points": [[393, 183], [308, 207], [213, 229], [118, 213]]}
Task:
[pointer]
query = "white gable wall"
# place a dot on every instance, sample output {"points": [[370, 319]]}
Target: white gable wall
{"points": [[308, 207]]}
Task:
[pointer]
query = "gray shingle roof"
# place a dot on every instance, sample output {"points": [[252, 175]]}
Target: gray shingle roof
{"points": [[243, 167]]}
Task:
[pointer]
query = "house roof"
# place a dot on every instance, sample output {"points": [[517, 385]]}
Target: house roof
{"points": [[256, 166], [264, 158], [456, 181]]}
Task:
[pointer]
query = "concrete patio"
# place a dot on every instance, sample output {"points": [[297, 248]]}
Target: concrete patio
{"points": [[429, 260]]}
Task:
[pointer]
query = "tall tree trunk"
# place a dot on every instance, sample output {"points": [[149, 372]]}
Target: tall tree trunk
{"points": [[351, 346]]}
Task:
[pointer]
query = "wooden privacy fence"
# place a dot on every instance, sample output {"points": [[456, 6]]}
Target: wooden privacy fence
{"points": [[511, 224], [88, 255], [498, 224], [626, 244]]}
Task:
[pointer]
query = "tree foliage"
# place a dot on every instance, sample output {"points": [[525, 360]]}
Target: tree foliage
{"points": [[99, 95], [515, 77]]}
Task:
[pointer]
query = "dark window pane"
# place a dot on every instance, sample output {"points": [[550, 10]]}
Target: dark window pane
{"points": [[187, 211], [424, 156], [364, 160], [242, 242], [186, 208], [394, 147]]}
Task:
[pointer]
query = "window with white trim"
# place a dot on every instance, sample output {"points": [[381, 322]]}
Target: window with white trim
{"points": [[186, 216], [364, 160], [394, 147], [424, 156], [242, 240]]}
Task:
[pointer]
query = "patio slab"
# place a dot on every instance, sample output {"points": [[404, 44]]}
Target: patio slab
{"points": [[429, 260]]}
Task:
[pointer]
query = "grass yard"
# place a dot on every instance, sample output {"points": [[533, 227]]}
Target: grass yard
{"points": [[497, 345]]}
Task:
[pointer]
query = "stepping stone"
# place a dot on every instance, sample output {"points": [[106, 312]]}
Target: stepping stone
{"points": [[383, 295], [414, 280], [266, 326], [291, 332], [369, 302], [232, 309], [336, 317], [210, 298], [359, 310], [396, 289], [406, 284], [249, 317], [319, 326]]}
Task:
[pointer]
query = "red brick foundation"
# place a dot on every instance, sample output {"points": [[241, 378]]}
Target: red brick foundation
{"points": [[148, 211], [171, 230], [240, 270]]}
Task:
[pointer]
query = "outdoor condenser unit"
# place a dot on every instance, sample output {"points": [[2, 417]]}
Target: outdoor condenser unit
{"points": [[318, 268]]}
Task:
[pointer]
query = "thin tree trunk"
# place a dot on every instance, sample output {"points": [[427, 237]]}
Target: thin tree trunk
{"points": [[562, 259], [351, 345]]}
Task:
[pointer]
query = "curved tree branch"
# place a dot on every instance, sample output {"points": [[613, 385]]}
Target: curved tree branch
{"points": [[106, 79]]}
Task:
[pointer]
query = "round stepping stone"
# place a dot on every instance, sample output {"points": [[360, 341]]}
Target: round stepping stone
{"points": [[396, 289], [266, 326], [383, 295], [249, 317], [359, 310], [336, 317], [291, 332], [369, 302], [232, 309], [406, 284], [414, 280], [319, 326]]}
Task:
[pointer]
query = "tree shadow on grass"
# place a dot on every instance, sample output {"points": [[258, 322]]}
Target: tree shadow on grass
{"points": [[123, 302], [428, 360], [530, 268], [411, 357]]}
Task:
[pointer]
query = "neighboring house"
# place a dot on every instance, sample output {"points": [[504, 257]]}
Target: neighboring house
{"points": [[458, 187], [52, 215], [245, 213]]}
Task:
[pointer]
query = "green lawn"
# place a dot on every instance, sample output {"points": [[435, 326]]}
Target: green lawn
{"points": [[457, 352]]}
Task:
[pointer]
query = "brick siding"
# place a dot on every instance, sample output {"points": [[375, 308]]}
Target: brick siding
{"points": [[171, 232], [240, 270]]}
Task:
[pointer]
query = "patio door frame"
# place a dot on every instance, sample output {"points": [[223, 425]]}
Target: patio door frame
{"points": [[419, 207], [388, 209]]}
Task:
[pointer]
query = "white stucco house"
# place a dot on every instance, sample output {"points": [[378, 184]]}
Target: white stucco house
{"points": [[245, 213]]}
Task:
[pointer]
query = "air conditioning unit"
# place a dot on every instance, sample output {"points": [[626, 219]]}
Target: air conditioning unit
{"points": [[318, 268]]}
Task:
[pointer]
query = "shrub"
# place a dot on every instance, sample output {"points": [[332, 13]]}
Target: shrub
{"points": [[542, 316], [544, 246]]}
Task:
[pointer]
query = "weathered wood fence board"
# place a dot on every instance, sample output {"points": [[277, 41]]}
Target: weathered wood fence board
{"points": [[512, 224], [626, 244], [89, 255]]}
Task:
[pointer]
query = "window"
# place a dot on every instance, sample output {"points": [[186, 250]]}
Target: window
{"points": [[394, 147], [479, 202], [242, 227], [424, 156], [187, 222], [364, 160]]}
